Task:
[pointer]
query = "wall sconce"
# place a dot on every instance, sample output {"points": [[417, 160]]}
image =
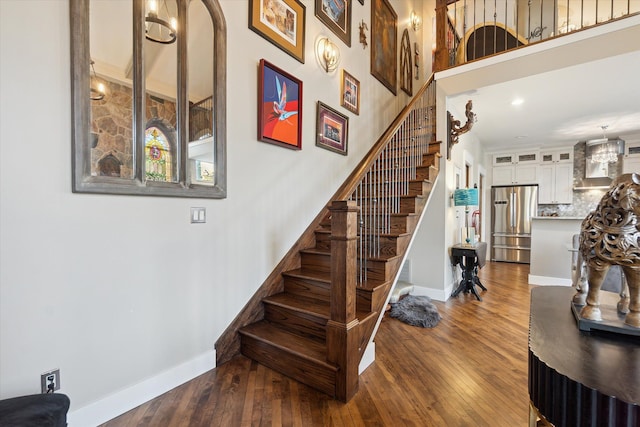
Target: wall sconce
{"points": [[416, 21], [157, 29], [328, 54], [96, 87]]}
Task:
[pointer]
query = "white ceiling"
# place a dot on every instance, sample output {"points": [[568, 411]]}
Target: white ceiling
{"points": [[570, 87]]}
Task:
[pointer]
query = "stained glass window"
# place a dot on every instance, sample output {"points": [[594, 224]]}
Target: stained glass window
{"points": [[157, 153]]}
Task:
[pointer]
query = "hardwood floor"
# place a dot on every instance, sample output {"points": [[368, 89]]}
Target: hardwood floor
{"points": [[470, 370]]}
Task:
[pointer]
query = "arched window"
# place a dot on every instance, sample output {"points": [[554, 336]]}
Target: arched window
{"points": [[136, 64]]}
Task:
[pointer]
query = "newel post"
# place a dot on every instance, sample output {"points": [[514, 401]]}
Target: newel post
{"points": [[342, 331], [441, 60]]}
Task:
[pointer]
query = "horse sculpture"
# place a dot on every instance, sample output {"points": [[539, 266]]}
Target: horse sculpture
{"points": [[610, 235]]}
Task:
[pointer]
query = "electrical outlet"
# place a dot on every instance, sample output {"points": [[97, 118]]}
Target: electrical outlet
{"points": [[50, 381]]}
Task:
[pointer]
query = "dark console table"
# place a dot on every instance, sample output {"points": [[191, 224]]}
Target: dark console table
{"points": [[470, 258], [579, 378]]}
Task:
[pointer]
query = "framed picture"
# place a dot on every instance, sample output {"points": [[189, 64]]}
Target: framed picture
{"points": [[332, 129], [279, 107], [282, 22], [350, 92], [384, 45], [336, 14]]}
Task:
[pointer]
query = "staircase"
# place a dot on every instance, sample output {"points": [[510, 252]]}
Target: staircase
{"points": [[316, 313]]}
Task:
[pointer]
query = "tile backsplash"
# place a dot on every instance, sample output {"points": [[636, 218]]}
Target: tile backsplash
{"points": [[584, 201]]}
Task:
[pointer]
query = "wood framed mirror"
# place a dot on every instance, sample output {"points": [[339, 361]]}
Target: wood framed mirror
{"points": [[149, 97]]}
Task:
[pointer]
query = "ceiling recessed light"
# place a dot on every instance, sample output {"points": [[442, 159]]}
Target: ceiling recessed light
{"points": [[521, 136], [517, 101]]}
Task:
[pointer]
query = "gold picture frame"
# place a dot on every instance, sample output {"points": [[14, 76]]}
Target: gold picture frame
{"points": [[282, 23], [350, 92]]}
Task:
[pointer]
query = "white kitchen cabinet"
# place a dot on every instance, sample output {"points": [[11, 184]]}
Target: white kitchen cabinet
{"points": [[515, 168], [516, 158], [517, 174], [564, 155], [555, 183], [631, 165]]}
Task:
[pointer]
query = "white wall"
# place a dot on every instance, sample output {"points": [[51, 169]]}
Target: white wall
{"points": [[122, 293], [429, 254]]}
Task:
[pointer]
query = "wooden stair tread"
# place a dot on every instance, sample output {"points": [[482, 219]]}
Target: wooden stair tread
{"points": [[369, 285], [304, 347], [302, 273], [402, 196], [413, 181], [311, 306], [316, 251], [384, 258], [400, 214], [306, 305], [391, 235]]}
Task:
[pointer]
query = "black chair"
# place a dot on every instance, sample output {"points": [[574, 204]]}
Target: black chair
{"points": [[37, 410]]}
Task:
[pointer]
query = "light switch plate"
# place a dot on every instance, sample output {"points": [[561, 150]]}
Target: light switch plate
{"points": [[198, 215]]}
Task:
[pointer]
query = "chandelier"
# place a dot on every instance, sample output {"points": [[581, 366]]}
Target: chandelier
{"points": [[606, 153], [160, 28]]}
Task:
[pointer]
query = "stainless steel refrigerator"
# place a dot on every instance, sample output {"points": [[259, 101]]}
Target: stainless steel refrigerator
{"points": [[512, 208]]}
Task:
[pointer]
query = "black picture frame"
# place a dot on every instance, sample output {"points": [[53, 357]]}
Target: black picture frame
{"points": [[336, 15]]}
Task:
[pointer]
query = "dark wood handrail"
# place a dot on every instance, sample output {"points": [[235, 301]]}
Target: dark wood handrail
{"points": [[365, 164]]}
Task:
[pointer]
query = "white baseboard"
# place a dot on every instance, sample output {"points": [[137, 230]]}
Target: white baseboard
{"points": [[548, 281], [124, 400], [368, 357], [435, 294]]}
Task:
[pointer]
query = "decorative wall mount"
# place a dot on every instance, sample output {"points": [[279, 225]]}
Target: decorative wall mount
{"points": [[406, 64], [416, 61], [454, 130], [363, 35]]}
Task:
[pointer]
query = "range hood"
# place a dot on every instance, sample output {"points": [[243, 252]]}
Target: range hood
{"points": [[601, 155]]}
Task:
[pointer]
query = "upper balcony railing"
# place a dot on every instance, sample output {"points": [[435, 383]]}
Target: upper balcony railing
{"points": [[472, 29]]}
